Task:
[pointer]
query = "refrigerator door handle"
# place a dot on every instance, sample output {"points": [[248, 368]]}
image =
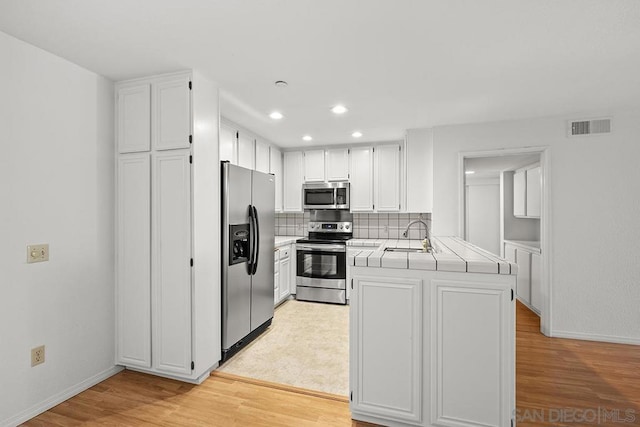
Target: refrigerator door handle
{"points": [[252, 241], [257, 240]]}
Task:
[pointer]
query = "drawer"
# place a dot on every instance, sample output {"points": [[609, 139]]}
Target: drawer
{"points": [[285, 251]]}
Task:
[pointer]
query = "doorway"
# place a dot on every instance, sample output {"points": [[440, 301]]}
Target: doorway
{"points": [[503, 214]]}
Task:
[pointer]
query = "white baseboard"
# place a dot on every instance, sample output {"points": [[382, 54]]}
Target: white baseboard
{"points": [[56, 399], [199, 380], [595, 337]]}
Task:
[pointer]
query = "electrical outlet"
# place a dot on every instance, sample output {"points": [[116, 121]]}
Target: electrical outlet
{"points": [[37, 355]]}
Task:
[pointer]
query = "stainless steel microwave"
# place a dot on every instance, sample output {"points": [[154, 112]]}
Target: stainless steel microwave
{"points": [[326, 195]]}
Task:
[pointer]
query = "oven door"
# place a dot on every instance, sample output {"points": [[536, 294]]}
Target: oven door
{"points": [[319, 198], [321, 265]]}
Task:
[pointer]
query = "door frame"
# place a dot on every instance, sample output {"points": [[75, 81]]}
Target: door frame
{"points": [[545, 223]]}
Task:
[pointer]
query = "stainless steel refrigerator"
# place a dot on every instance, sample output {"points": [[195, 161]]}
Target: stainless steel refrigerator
{"points": [[248, 240]]}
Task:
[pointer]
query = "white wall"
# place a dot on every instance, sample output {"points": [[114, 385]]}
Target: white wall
{"points": [[56, 187], [595, 233], [482, 214]]}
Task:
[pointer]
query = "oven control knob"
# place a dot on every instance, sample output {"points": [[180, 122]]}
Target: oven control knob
{"points": [[341, 226], [317, 225], [347, 226], [312, 225]]}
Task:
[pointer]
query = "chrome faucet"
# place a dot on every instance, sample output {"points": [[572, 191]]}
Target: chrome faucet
{"points": [[426, 228]]}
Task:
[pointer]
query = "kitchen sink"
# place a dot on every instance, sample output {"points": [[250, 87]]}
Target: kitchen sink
{"points": [[412, 250]]}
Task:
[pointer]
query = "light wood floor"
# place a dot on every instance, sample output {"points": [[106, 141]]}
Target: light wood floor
{"points": [[552, 375], [561, 375]]}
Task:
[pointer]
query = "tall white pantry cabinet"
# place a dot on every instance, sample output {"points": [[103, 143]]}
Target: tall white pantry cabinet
{"points": [[167, 222]]}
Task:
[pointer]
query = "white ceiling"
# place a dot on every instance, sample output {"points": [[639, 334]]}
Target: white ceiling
{"points": [[490, 167], [394, 64]]}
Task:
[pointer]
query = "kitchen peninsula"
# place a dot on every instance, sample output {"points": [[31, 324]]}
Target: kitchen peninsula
{"points": [[432, 334]]}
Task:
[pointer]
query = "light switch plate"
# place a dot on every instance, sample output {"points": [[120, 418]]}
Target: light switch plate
{"points": [[37, 253]]}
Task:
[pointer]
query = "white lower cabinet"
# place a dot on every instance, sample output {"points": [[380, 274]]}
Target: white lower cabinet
{"points": [[133, 306], [276, 276], [523, 285], [432, 348], [529, 284], [293, 270], [471, 354], [387, 323], [171, 277], [285, 280], [154, 287], [282, 275], [537, 297]]}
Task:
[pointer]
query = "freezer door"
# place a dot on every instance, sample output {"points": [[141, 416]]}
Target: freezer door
{"points": [[236, 281], [263, 198]]}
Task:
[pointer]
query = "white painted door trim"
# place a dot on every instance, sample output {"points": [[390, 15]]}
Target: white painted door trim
{"points": [[545, 223]]}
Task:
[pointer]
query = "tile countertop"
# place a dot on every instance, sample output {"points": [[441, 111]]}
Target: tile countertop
{"points": [[286, 240], [452, 254]]}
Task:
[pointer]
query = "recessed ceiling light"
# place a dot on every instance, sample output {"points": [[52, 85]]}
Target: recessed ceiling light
{"points": [[356, 134], [307, 138], [339, 109], [276, 115], [469, 172], [281, 83]]}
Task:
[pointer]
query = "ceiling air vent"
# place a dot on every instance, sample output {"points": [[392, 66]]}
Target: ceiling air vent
{"points": [[589, 127]]}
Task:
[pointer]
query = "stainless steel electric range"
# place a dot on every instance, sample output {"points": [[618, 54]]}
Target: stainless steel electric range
{"points": [[321, 258]]}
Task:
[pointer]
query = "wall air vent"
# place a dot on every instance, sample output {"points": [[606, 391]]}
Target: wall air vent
{"points": [[589, 127]]}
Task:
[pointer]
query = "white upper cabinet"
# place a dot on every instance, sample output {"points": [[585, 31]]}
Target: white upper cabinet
{"points": [[262, 156], [338, 164], [533, 191], [527, 189], [387, 178], [171, 109], [519, 193], [242, 148], [246, 151], [275, 167], [418, 155], [134, 118], [361, 179], [293, 180], [228, 144], [314, 166]]}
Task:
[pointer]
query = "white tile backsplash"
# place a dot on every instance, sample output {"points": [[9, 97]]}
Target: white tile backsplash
{"points": [[388, 225], [291, 224], [365, 226]]}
